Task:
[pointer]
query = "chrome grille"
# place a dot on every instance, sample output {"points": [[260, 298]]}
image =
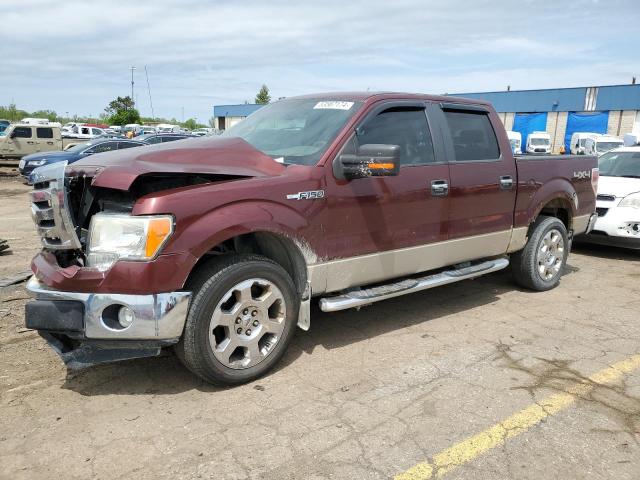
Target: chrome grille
{"points": [[49, 209]]}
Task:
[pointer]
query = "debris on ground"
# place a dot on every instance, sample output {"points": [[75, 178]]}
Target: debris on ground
{"points": [[4, 247], [17, 278]]}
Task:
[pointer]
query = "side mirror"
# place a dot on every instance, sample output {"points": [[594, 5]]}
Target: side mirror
{"points": [[371, 160]]}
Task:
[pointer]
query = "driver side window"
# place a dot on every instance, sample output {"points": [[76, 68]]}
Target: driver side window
{"points": [[403, 126]]}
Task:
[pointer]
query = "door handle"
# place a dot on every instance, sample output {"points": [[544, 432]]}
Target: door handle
{"points": [[439, 188], [30, 142], [506, 182]]}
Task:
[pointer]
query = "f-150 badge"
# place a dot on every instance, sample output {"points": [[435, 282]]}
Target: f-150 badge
{"points": [[310, 195]]}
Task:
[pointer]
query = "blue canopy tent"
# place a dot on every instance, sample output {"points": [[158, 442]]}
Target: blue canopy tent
{"points": [[595, 122], [527, 123]]}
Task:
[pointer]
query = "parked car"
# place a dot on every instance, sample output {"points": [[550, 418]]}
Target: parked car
{"points": [[515, 139], [601, 144], [82, 131], [578, 140], [618, 201], [72, 154], [3, 125], [163, 137], [218, 245], [135, 128], [168, 128], [631, 139], [539, 142]]}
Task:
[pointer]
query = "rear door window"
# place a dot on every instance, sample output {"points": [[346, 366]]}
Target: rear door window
{"points": [[22, 132], [122, 145], [472, 135], [44, 132]]}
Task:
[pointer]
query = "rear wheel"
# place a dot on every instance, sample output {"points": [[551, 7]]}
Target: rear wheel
{"points": [[539, 265], [241, 319]]}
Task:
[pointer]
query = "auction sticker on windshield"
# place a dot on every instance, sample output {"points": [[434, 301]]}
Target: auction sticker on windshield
{"points": [[333, 105]]}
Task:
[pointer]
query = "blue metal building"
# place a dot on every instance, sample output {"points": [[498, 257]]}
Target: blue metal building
{"points": [[228, 115], [611, 109]]}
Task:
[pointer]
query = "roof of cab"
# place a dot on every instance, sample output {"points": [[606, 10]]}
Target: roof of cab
{"points": [[375, 96]]}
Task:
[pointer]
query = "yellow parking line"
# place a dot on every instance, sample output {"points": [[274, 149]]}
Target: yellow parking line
{"points": [[518, 423]]}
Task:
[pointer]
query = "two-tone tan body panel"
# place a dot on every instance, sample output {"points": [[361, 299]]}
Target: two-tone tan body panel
{"points": [[340, 274]]}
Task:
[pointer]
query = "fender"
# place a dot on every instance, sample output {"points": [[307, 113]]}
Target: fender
{"points": [[558, 189], [231, 220]]}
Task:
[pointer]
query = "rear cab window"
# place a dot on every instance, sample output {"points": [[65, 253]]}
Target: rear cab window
{"points": [[472, 135]]}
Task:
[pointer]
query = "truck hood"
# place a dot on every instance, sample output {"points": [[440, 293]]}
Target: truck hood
{"points": [[618, 186], [204, 155]]}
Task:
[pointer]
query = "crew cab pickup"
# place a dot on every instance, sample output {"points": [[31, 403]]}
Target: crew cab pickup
{"points": [[219, 245]]}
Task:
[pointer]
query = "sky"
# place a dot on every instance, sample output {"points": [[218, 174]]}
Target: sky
{"points": [[75, 56]]}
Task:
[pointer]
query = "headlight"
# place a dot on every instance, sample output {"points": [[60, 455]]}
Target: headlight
{"points": [[632, 200], [36, 163], [125, 237]]}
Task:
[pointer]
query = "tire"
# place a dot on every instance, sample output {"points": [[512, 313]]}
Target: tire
{"points": [[540, 264], [233, 333]]}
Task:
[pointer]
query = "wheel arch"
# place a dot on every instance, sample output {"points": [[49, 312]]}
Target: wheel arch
{"points": [[557, 198], [277, 246]]}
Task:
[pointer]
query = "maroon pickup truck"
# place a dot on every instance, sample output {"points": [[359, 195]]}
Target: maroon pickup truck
{"points": [[217, 246]]}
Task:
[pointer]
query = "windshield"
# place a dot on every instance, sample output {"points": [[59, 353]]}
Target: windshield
{"points": [[540, 141], [620, 164], [295, 131], [602, 147]]}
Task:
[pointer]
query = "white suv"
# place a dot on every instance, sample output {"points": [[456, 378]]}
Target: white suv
{"points": [[618, 201]]}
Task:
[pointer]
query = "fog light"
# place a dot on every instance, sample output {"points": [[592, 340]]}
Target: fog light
{"points": [[126, 317]]}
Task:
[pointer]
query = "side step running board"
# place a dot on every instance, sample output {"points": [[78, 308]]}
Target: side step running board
{"points": [[358, 298]]}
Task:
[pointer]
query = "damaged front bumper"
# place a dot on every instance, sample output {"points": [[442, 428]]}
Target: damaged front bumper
{"points": [[84, 328]]}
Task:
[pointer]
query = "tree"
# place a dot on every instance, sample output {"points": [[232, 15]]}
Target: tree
{"points": [[191, 124], [48, 114], [263, 97], [121, 111]]}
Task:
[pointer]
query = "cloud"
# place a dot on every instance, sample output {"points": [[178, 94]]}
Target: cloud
{"points": [[75, 55]]}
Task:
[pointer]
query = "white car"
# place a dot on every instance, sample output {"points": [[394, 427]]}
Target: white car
{"points": [[618, 201]]}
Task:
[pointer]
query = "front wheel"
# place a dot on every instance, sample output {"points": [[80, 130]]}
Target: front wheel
{"points": [[539, 265], [241, 319]]}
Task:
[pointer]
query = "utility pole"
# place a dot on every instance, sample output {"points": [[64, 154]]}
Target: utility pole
{"points": [[153, 115], [132, 69]]}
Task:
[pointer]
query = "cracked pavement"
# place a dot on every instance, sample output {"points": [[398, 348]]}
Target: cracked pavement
{"points": [[364, 394]]}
